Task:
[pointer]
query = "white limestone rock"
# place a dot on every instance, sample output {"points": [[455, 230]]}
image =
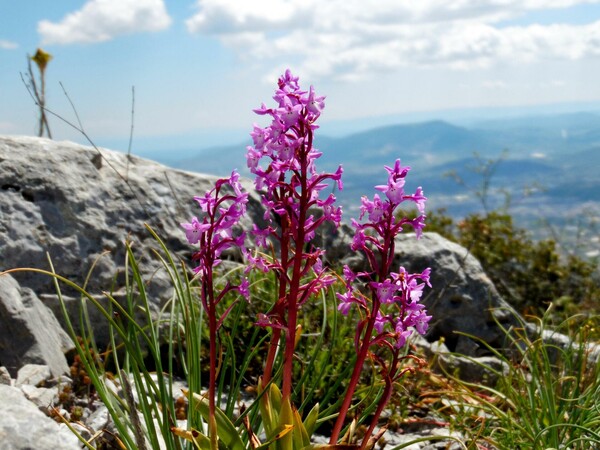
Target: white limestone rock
{"points": [[24, 427], [80, 207], [29, 331]]}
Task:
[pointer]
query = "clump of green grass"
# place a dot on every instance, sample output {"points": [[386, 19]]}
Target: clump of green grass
{"points": [[547, 400]]}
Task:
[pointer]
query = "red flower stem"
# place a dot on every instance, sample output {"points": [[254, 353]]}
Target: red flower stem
{"points": [[209, 301], [292, 304], [273, 345], [387, 395], [212, 382], [387, 255], [282, 279], [354, 379]]}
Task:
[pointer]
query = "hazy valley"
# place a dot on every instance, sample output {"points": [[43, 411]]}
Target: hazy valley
{"points": [[548, 167]]}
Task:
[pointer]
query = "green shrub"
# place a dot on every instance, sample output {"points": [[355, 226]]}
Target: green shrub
{"points": [[529, 274]]}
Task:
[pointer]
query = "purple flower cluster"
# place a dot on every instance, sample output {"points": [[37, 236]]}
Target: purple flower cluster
{"points": [[215, 233], [403, 290], [290, 178], [283, 162], [393, 310], [223, 206], [375, 238]]}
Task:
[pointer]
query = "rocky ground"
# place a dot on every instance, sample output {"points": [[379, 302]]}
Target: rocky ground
{"points": [[36, 404]]}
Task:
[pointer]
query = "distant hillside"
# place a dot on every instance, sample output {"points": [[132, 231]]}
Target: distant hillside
{"points": [[559, 154], [573, 122], [416, 144]]}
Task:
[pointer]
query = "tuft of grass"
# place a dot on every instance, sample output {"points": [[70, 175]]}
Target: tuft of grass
{"points": [[547, 400]]}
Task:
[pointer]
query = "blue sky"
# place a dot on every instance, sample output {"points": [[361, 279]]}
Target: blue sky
{"points": [[199, 67]]}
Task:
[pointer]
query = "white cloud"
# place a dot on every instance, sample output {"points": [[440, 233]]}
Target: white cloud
{"points": [[494, 84], [347, 39], [102, 20], [7, 45], [552, 84], [225, 16]]}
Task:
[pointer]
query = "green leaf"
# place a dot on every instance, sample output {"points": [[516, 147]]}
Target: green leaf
{"points": [[301, 437], [275, 397], [199, 440], [293, 441], [281, 433], [310, 421], [270, 410], [227, 432]]}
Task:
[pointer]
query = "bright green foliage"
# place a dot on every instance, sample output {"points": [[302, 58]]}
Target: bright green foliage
{"points": [[547, 399], [528, 274]]}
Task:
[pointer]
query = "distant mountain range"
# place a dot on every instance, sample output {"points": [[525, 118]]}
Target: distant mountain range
{"points": [[558, 156]]}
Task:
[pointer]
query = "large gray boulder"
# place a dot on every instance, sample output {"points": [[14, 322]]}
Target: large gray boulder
{"points": [[463, 301], [75, 203], [79, 205]]}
